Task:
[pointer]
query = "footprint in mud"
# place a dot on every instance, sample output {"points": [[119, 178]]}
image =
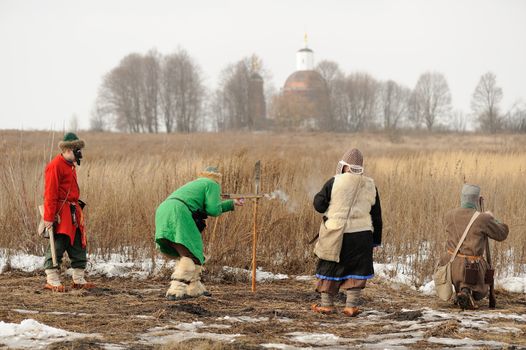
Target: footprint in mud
{"points": [[101, 291], [191, 309]]}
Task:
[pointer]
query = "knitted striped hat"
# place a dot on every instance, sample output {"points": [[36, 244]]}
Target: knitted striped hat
{"points": [[351, 157]]}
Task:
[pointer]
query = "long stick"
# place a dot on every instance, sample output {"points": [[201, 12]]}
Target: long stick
{"points": [[242, 196], [212, 238], [254, 245], [257, 180], [491, 297], [52, 246]]}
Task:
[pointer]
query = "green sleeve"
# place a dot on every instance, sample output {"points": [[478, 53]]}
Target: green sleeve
{"points": [[227, 205], [214, 206]]}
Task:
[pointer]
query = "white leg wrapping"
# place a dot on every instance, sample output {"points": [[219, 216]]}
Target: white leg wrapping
{"points": [[53, 277], [183, 273], [196, 288], [184, 270], [78, 276], [177, 289]]}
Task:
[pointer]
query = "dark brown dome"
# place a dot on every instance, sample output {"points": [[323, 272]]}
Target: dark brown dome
{"points": [[305, 80]]}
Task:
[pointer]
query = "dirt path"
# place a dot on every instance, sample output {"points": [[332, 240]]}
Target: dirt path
{"points": [[134, 314]]}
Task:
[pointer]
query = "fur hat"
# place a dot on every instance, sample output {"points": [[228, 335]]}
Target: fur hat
{"points": [[211, 173], [351, 157], [71, 141], [470, 195]]}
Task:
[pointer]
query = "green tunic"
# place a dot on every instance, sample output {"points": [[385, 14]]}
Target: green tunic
{"points": [[173, 218]]}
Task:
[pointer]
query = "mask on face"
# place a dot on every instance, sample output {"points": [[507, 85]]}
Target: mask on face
{"points": [[78, 155]]}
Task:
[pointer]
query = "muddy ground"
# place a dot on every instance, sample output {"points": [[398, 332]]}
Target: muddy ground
{"points": [[129, 314]]}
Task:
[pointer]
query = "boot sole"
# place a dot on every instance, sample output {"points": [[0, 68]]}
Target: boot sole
{"points": [[320, 310], [464, 302], [55, 289]]}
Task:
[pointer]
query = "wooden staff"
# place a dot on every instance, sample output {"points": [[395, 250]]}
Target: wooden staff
{"points": [[212, 237], [52, 246], [257, 179], [490, 273]]}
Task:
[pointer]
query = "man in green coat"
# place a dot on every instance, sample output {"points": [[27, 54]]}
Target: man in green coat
{"points": [[179, 221]]}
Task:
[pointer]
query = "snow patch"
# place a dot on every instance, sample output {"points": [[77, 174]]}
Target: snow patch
{"points": [[315, 338], [304, 278], [34, 335], [120, 265], [19, 261], [513, 284], [243, 319], [25, 311], [465, 342], [183, 332], [279, 346], [397, 273], [428, 288]]}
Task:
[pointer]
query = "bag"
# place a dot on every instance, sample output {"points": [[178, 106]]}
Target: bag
{"points": [[200, 220], [442, 275], [471, 273], [442, 278], [489, 276], [41, 228], [329, 243]]}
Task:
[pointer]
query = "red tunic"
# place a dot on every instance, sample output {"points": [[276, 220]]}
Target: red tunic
{"points": [[61, 189]]}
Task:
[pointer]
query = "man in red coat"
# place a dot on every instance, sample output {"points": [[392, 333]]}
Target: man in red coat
{"points": [[63, 211]]}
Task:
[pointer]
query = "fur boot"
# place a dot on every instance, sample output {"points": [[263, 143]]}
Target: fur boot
{"points": [[196, 288], [183, 274]]}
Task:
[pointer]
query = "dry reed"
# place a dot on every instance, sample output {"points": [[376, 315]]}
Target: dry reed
{"points": [[124, 177]]}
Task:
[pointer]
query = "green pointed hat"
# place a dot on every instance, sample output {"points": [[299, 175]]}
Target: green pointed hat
{"points": [[71, 141]]}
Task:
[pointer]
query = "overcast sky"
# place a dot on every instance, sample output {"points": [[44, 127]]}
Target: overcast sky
{"points": [[54, 53]]}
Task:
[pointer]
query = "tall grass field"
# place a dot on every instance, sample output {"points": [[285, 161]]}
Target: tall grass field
{"points": [[124, 177]]}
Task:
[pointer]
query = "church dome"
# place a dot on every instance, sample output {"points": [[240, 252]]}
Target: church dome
{"points": [[305, 81]]}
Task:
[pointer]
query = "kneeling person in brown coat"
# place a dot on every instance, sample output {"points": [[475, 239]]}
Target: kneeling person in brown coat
{"points": [[469, 268]]}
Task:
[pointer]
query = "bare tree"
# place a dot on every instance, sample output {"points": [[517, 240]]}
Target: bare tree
{"points": [[515, 119], [151, 70], [98, 120], [120, 94], [458, 121], [182, 93], [393, 103], [144, 91], [485, 103], [335, 79], [431, 100], [361, 91], [232, 96]]}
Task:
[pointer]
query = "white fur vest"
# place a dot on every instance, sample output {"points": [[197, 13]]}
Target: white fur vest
{"points": [[343, 191]]}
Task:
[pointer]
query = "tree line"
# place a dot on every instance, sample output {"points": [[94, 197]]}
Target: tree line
{"points": [[151, 93]]}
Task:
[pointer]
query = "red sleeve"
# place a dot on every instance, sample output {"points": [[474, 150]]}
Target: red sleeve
{"points": [[50, 191]]}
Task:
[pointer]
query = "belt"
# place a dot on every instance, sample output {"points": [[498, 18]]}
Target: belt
{"points": [[471, 257]]}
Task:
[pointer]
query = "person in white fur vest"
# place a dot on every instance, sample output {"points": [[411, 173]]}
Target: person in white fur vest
{"points": [[351, 228]]}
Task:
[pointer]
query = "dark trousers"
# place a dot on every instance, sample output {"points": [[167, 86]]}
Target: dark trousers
{"points": [[76, 253]]}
